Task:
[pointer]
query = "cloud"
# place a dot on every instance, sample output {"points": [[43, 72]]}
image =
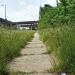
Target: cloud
{"points": [[22, 3], [29, 12], [52, 2]]}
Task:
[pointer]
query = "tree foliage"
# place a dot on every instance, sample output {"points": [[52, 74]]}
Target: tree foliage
{"points": [[64, 14]]}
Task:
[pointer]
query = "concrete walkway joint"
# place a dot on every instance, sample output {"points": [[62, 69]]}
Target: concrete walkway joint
{"points": [[33, 59]]}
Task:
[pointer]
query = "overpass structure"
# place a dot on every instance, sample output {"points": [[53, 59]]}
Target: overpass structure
{"points": [[19, 25], [26, 24]]}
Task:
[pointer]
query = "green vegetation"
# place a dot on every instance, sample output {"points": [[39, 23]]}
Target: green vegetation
{"points": [[61, 42], [57, 30], [11, 42]]}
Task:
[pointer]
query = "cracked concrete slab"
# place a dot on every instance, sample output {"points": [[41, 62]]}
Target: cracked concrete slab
{"points": [[33, 59]]}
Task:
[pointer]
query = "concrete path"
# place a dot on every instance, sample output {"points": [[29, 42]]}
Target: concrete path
{"points": [[34, 59]]}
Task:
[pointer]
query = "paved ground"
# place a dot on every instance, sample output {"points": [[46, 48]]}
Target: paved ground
{"points": [[34, 59]]}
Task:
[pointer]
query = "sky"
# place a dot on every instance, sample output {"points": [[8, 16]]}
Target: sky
{"points": [[23, 10]]}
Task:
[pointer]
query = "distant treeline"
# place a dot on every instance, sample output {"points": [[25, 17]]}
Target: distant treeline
{"points": [[5, 22]]}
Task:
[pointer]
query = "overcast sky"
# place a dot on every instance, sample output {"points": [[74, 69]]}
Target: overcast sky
{"points": [[23, 10]]}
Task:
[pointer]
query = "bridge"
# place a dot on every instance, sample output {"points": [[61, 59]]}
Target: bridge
{"points": [[19, 25], [26, 25]]}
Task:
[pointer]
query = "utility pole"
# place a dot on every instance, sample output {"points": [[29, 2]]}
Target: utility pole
{"points": [[57, 2], [40, 11], [5, 12]]}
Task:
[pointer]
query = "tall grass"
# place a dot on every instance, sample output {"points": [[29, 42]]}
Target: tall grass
{"points": [[61, 42], [11, 42]]}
